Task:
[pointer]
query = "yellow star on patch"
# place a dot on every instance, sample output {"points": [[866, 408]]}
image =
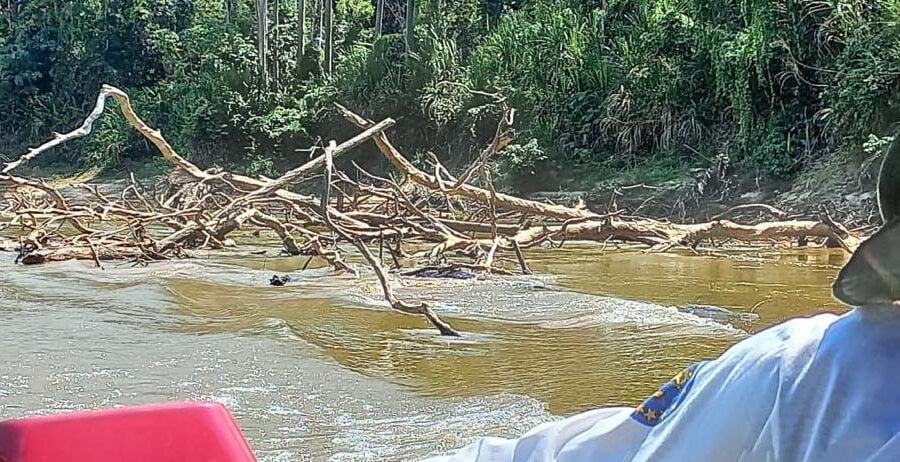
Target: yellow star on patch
{"points": [[682, 377]]}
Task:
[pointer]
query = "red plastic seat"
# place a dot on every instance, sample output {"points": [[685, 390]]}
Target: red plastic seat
{"points": [[176, 432]]}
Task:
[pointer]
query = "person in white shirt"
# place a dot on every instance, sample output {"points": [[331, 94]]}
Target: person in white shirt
{"points": [[811, 389]]}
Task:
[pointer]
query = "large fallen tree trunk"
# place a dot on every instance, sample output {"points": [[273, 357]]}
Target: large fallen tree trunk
{"points": [[654, 232], [591, 227], [202, 209], [471, 192]]}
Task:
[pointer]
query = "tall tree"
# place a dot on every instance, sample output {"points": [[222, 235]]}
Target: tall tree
{"points": [[12, 11], [275, 49], [317, 27], [329, 36], [317, 35], [262, 40], [410, 25], [379, 17], [229, 11], [301, 33]]}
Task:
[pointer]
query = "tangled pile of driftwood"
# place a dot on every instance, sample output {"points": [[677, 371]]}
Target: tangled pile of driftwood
{"points": [[174, 218]]}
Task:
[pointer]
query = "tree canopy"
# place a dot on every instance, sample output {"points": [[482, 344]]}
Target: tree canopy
{"points": [[613, 84]]}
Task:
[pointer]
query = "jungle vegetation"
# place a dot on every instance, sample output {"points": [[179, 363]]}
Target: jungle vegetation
{"points": [[598, 85]]}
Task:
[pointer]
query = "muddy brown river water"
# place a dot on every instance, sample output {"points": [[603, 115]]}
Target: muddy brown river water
{"points": [[320, 370]]}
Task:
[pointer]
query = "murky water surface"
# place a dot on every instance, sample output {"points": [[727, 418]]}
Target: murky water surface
{"points": [[321, 370]]}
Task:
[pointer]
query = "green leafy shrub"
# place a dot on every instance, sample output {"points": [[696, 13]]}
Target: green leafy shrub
{"points": [[612, 86]]}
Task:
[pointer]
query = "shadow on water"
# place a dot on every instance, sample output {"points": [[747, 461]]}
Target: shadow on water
{"points": [[322, 369]]}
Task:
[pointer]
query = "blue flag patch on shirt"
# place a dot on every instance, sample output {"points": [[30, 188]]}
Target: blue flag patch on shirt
{"points": [[662, 403]]}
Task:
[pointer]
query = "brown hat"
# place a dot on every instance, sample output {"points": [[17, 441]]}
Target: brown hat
{"points": [[872, 276]]}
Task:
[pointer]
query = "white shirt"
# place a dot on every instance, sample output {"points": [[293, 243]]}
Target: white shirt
{"points": [[818, 389]]}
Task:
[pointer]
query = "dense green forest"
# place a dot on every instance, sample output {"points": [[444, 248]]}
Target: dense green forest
{"points": [[598, 85]]}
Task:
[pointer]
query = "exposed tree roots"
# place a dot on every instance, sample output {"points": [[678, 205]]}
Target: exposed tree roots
{"points": [[196, 209]]}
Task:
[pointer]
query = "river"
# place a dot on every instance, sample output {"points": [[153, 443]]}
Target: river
{"points": [[320, 370]]}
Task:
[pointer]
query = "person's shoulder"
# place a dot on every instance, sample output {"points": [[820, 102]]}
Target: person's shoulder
{"points": [[790, 337], [756, 367], [761, 362], [803, 327], [770, 356]]}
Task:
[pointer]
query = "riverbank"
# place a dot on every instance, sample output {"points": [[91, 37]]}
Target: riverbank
{"points": [[844, 188]]}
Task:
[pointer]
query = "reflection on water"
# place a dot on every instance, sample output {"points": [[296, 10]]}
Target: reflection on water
{"points": [[320, 370], [780, 284]]}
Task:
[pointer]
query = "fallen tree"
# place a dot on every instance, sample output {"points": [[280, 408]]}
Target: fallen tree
{"points": [[196, 209]]}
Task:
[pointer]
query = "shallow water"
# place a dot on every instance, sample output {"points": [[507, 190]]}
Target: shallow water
{"points": [[320, 370]]}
